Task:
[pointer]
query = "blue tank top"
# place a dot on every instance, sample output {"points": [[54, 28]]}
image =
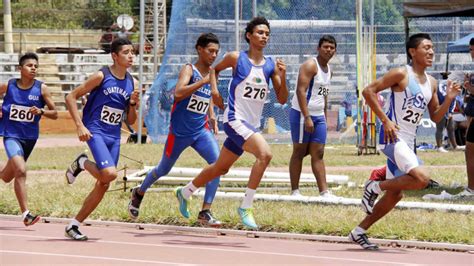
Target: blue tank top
{"points": [[16, 120], [106, 104], [189, 116]]}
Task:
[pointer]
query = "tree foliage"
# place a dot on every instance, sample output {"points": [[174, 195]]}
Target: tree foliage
{"points": [[64, 14]]}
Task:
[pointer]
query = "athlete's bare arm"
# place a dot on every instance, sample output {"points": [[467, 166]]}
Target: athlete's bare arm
{"points": [[279, 81], [396, 79], [183, 90], [92, 82], [307, 72], [134, 103], [229, 60], [51, 112]]}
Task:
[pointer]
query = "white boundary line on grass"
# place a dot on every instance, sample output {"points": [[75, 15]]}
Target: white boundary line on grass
{"points": [[256, 234]]}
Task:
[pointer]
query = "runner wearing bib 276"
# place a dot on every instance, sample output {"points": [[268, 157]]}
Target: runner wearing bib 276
{"points": [[248, 90]]}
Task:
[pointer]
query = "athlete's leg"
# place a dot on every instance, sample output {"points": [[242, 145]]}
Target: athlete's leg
{"points": [[469, 155], [7, 171], [316, 149], [19, 173], [300, 150], [173, 148], [225, 160], [206, 145], [317, 164], [381, 208], [259, 147]]}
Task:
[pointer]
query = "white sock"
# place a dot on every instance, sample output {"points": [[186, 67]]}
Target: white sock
{"points": [[377, 188], [359, 230], [295, 191], [248, 199], [73, 222], [23, 215], [322, 193], [188, 190], [81, 162]]}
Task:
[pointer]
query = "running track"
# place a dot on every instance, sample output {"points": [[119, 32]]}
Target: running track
{"points": [[44, 243]]}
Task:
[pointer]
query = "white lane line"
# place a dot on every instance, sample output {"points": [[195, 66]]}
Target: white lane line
{"points": [[223, 250], [91, 257]]}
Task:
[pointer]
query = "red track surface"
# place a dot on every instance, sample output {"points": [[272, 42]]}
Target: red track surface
{"points": [[44, 243]]}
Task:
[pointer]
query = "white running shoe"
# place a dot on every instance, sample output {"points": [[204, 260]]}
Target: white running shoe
{"points": [[369, 197], [74, 169], [441, 149], [296, 193], [362, 240], [75, 234]]}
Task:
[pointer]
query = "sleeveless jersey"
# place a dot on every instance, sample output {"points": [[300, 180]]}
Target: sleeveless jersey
{"points": [[17, 120], [407, 107], [189, 116], [248, 90], [317, 90], [106, 104]]}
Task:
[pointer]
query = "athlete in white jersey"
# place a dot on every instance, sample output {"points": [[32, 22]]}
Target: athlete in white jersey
{"points": [[412, 92], [308, 115], [248, 91]]}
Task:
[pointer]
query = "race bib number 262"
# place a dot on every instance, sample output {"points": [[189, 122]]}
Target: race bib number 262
{"points": [[111, 116]]}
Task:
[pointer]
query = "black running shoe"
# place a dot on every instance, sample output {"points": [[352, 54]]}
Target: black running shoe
{"points": [[369, 197], [75, 234], [205, 218], [74, 169], [31, 219], [363, 241], [134, 204]]}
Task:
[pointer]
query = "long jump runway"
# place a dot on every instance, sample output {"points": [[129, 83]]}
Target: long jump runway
{"points": [[44, 243]]}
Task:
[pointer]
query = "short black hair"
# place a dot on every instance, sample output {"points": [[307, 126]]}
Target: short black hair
{"points": [[253, 23], [415, 40], [206, 38], [471, 42], [27, 56], [327, 38], [118, 43]]}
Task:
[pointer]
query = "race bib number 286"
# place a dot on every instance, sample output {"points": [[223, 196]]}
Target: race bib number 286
{"points": [[111, 116]]}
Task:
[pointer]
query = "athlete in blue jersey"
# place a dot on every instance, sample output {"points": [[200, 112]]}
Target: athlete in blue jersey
{"points": [[190, 116], [22, 108], [112, 93], [308, 115], [248, 91], [412, 92]]}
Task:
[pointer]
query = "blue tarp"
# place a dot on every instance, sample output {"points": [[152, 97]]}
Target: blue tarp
{"points": [[461, 45]]}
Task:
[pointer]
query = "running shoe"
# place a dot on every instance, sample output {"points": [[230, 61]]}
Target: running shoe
{"points": [[183, 203], [74, 169], [246, 215], [31, 219], [134, 204], [363, 241], [75, 234], [369, 197], [206, 218]]}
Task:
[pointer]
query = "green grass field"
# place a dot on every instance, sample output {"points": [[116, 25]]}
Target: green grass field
{"points": [[49, 195]]}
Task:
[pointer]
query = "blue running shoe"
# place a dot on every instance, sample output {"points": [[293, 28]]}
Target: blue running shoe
{"points": [[183, 203], [246, 215]]}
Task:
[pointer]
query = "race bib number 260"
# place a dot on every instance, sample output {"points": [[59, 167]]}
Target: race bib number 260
{"points": [[21, 113], [111, 116]]}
